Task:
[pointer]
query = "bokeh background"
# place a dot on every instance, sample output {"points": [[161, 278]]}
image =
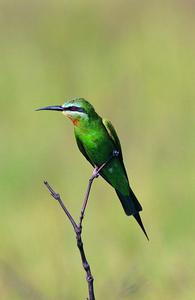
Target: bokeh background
{"points": [[135, 61]]}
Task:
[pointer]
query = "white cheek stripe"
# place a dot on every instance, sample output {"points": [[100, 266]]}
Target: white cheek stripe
{"points": [[75, 114]]}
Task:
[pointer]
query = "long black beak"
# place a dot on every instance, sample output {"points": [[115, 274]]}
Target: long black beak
{"points": [[52, 107]]}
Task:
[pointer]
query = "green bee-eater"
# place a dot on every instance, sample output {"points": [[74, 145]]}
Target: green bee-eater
{"points": [[97, 140]]}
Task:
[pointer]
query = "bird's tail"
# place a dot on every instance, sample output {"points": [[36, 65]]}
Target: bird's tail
{"points": [[139, 221], [132, 206]]}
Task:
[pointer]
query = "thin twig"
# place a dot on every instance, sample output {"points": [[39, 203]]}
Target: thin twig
{"points": [[78, 228], [95, 174], [78, 231], [56, 196]]}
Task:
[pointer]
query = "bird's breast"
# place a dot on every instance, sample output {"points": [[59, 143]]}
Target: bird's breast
{"points": [[98, 147]]}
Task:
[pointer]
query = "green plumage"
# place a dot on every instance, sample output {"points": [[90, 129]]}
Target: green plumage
{"points": [[97, 139], [97, 144]]}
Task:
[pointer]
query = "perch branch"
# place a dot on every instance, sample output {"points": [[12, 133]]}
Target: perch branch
{"points": [[78, 227]]}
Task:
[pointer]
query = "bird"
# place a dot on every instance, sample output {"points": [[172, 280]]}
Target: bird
{"points": [[97, 140]]}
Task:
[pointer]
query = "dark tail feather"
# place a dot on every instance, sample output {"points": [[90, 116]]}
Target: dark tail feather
{"points": [[132, 206], [139, 221], [130, 203]]}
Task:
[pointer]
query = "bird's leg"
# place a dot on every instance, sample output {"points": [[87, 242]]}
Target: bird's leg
{"points": [[115, 153], [95, 173]]}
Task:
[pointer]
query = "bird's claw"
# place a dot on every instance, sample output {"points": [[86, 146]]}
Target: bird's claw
{"points": [[95, 173], [115, 153]]}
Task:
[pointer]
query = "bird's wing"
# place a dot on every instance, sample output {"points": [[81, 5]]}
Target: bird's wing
{"points": [[82, 149], [112, 133]]}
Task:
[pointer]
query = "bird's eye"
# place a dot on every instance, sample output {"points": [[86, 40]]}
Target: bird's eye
{"points": [[73, 108], [76, 108]]}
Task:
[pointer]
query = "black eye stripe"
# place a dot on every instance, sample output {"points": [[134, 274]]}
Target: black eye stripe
{"points": [[74, 108]]}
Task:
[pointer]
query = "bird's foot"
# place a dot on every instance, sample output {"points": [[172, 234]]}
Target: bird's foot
{"points": [[95, 172], [115, 153]]}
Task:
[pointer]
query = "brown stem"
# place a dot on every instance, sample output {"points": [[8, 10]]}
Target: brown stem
{"points": [[78, 228], [95, 174], [78, 232]]}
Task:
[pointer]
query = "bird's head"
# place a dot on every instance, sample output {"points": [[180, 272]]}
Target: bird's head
{"points": [[76, 109]]}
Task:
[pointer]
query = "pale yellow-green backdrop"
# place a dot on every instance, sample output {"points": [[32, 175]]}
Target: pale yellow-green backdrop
{"points": [[135, 61]]}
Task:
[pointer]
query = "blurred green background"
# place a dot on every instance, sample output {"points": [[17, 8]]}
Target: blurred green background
{"points": [[134, 60]]}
